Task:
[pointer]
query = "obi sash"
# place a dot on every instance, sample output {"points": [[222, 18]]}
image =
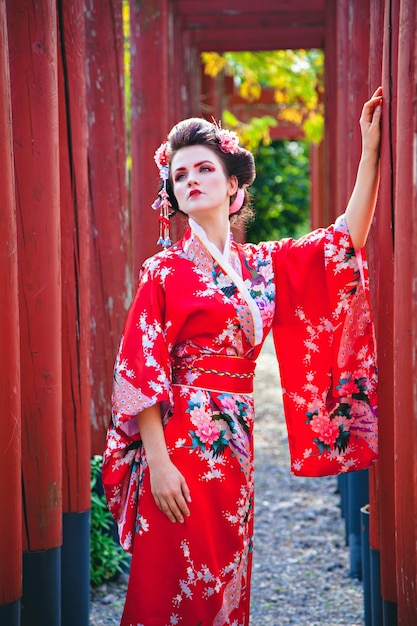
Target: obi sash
{"points": [[231, 374]]}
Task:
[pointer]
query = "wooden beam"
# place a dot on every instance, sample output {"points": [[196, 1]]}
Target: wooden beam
{"points": [[262, 39], [255, 20], [238, 7]]}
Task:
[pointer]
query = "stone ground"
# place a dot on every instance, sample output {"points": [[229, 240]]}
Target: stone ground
{"points": [[301, 563]]}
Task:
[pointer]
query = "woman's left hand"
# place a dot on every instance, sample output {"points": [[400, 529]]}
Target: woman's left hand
{"points": [[370, 123]]}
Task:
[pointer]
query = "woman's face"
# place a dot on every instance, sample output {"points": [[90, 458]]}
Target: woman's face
{"points": [[200, 184]]}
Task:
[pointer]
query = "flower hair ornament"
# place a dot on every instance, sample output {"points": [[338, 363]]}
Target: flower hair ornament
{"points": [[229, 143], [162, 202], [228, 140]]}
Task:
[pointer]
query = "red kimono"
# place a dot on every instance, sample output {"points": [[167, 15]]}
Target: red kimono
{"points": [[190, 342]]}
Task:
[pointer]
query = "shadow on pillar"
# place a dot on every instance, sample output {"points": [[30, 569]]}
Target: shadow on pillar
{"points": [[358, 497], [75, 570], [10, 614], [366, 566], [375, 580], [41, 600], [389, 612], [342, 483]]}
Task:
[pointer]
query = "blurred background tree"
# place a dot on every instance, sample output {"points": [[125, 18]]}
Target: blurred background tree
{"points": [[296, 78], [281, 191]]}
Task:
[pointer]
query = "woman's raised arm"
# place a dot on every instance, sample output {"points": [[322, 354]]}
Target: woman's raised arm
{"points": [[361, 206]]}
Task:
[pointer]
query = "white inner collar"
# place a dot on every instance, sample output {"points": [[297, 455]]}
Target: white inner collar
{"points": [[222, 259], [201, 233]]}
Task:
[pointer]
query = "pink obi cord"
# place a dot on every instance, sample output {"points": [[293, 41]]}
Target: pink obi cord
{"points": [[237, 202]]}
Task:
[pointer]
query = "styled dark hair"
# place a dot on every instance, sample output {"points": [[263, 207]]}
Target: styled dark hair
{"points": [[198, 131]]}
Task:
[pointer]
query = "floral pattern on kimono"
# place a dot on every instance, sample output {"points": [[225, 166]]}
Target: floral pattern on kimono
{"points": [[324, 339], [190, 342]]}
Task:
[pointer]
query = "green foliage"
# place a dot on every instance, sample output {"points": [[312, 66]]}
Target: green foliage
{"points": [[107, 557], [252, 134], [280, 191]]}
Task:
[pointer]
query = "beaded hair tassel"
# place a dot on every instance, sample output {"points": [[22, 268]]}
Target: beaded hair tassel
{"points": [[162, 202]]}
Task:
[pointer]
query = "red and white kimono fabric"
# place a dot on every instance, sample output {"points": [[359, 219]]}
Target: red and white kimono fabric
{"points": [[190, 342]]}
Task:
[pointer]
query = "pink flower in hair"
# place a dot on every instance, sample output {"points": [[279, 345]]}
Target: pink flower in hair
{"points": [[161, 155], [228, 140]]}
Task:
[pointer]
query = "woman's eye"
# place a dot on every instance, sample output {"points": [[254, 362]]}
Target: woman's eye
{"points": [[179, 177], [206, 168]]}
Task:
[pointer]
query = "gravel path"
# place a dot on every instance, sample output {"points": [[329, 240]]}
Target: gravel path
{"points": [[301, 564]]}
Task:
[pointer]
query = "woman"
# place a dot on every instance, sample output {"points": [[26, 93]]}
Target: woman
{"points": [[178, 466]]}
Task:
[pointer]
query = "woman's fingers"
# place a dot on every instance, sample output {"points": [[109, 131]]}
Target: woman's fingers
{"points": [[171, 493], [371, 107], [174, 507], [171, 509], [370, 123]]}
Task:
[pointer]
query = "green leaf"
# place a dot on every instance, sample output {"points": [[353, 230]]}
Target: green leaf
{"points": [[107, 558]]}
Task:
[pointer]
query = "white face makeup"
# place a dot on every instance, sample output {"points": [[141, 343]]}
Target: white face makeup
{"points": [[200, 184]]}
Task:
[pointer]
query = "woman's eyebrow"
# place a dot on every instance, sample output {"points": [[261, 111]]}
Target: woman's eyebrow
{"points": [[181, 168]]}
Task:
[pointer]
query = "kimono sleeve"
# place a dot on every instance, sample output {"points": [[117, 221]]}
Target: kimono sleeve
{"points": [[142, 378], [324, 340]]}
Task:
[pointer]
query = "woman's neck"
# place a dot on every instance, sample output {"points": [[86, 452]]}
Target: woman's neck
{"points": [[217, 234], [217, 231]]}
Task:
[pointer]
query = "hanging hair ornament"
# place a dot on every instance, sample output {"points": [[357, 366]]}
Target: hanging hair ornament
{"points": [[162, 202], [228, 140]]}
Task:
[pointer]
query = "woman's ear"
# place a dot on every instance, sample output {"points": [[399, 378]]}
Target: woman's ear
{"points": [[233, 185]]}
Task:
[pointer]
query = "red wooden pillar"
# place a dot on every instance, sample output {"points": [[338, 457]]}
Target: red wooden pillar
{"points": [[10, 431], [33, 70], [355, 92], [192, 69], [330, 207], [375, 78], [75, 229], [111, 288], [151, 95], [33, 65], [358, 90], [317, 213], [405, 324], [342, 102], [179, 93], [210, 91], [385, 316]]}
